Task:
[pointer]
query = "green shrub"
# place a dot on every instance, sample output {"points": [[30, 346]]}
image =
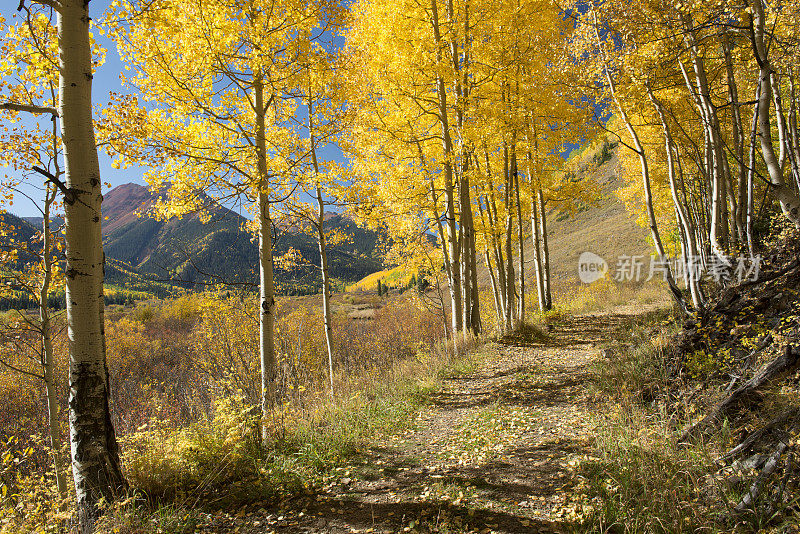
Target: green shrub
{"points": [[144, 313]]}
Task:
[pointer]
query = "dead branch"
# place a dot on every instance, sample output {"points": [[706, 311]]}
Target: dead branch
{"points": [[778, 422], [750, 497]]}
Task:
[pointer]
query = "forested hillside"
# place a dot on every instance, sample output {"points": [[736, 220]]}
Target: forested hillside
{"points": [[214, 246]]}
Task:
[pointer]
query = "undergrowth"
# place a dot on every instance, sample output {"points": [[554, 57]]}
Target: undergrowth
{"points": [[640, 478], [185, 382], [218, 463]]}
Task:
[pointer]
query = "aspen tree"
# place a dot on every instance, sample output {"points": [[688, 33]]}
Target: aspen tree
{"points": [[96, 467], [217, 87], [34, 272], [326, 119], [40, 152], [789, 200]]}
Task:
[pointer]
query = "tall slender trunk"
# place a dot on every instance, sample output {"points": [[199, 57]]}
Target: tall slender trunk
{"points": [[787, 129], [520, 231], [716, 160], [269, 371], [780, 120], [535, 230], [443, 239], [494, 224], [326, 282], [511, 309], [456, 297], [48, 362], [96, 466], [475, 317], [648, 197], [751, 169], [687, 232], [495, 289], [468, 258], [466, 304], [487, 257], [548, 295], [788, 199], [738, 142], [537, 257], [792, 126], [321, 243]]}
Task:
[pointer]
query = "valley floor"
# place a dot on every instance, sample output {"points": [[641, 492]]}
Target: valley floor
{"points": [[495, 450]]}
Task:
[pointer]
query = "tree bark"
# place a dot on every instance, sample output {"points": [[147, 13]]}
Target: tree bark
{"points": [[469, 257], [794, 134], [548, 295], [738, 142], [520, 236], [326, 283], [537, 256], [96, 469], [494, 224], [322, 245], [716, 162], [266, 314], [456, 297], [687, 232], [48, 362], [751, 169], [511, 286]]}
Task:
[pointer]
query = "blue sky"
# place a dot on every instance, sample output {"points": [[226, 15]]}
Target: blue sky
{"points": [[106, 79]]}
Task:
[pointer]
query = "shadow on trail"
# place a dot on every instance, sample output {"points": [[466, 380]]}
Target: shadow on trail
{"points": [[559, 391], [532, 470], [459, 400], [568, 331], [427, 517]]}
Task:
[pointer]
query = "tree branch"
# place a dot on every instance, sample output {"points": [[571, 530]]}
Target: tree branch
{"points": [[54, 4], [69, 196], [38, 110]]}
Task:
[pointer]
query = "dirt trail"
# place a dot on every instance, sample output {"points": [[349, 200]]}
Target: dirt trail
{"points": [[495, 451]]}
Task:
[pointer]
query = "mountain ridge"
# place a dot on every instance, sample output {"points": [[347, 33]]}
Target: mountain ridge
{"points": [[218, 248], [194, 251]]}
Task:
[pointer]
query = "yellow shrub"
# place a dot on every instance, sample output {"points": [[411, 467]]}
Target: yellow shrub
{"points": [[166, 462], [183, 310]]}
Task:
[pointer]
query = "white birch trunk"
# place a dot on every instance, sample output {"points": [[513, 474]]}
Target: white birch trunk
{"points": [[48, 362], [266, 314], [738, 143], [456, 302], [548, 296], [687, 232], [788, 199], [511, 290], [326, 282], [95, 455], [520, 236], [537, 255], [322, 244]]}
